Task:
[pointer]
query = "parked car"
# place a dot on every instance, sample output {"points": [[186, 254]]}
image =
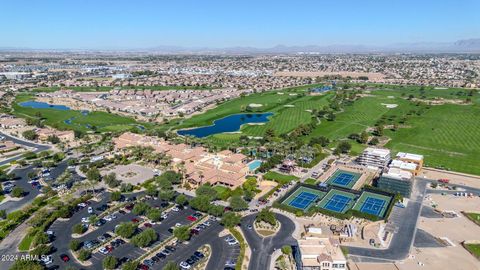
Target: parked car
{"points": [[64, 257]]}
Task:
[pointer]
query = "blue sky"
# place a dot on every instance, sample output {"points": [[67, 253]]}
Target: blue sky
{"points": [[119, 24]]}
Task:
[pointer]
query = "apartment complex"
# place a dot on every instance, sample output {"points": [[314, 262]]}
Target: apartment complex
{"points": [[396, 181], [375, 157], [198, 165], [64, 136], [321, 253], [409, 162]]}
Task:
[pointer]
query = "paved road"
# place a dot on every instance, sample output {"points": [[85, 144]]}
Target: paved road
{"points": [[405, 221], [38, 147], [22, 181], [262, 248]]}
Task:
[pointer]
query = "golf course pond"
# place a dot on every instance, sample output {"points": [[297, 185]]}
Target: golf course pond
{"points": [[43, 105], [231, 123]]}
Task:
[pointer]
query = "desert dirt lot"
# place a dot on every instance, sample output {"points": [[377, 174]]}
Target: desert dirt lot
{"points": [[456, 230], [455, 178]]}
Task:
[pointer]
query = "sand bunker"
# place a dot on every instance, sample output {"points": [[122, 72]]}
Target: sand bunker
{"points": [[390, 106], [289, 105], [254, 105]]}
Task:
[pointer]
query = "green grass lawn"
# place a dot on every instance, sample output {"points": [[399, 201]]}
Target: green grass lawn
{"points": [[310, 181], [474, 249], [475, 217], [278, 177], [102, 121], [25, 243]]}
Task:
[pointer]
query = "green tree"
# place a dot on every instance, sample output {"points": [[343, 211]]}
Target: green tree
{"points": [[111, 180], [84, 255], [41, 250], [287, 250], [201, 203], [26, 265], [230, 219], [154, 214], [74, 245], [238, 204], [109, 262], [131, 265], [53, 139], [343, 147], [40, 238], [145, 238], [140, 208], [78, 229], [126, 229], [115, 196], [363, 137], [171, 266], [30, 135], [206, 190], [181, 199], [182, 233], [267, 216], [17, 192]]}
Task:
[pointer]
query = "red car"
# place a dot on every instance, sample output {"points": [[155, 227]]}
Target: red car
{"points": [[148, 225], [135, 220], [109, 248], [191, 218], [65, 257], [143, 267]]}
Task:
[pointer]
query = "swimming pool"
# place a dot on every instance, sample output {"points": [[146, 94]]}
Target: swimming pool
{"points": [[253, 166]]}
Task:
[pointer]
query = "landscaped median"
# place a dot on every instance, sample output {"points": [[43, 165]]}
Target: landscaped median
{"points": [[243, 247], [473, 246], [167, 241]]}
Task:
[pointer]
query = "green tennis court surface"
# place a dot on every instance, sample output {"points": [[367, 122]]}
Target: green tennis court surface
{"points": [[303, 198], [372, 203], [341, 178], [337, 201]]}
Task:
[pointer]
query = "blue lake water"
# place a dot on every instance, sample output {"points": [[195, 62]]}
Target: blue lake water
{"points": [[43, 105], [230, 123]]}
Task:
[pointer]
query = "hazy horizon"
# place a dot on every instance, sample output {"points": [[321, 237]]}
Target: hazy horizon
{"points": [[123, 25]]}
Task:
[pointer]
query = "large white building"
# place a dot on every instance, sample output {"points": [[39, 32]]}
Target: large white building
{"points": [[321, 253], [375, 157]]}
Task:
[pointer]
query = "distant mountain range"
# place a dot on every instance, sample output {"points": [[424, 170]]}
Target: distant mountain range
{"points": [[460, 46]]}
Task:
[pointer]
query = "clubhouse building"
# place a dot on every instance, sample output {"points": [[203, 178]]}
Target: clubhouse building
{"points": [[196, 163]]}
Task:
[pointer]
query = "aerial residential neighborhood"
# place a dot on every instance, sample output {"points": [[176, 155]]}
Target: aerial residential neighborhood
{"points": [[269, 135]]}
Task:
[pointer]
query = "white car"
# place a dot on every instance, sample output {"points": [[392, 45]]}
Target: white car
{"points": [[185, 265], [164, 215], [232, 243], [82, 205], [108, 218], [47, 259], [90, 210], [178, 225], [175, 209], [103, 250], [113, 216], [85, 220]]}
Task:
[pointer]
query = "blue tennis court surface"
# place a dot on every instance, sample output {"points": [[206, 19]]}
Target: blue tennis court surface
{"points": [[303, 200], [337, 203], [373, 206], [343, 179]]}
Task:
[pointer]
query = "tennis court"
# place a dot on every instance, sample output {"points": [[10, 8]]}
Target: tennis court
{"points": [[303, 198], [372, 203], [337, 201], [343, 178]]}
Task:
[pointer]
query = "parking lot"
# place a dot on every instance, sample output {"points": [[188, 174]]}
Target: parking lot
{"points": [[126, 251]]}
